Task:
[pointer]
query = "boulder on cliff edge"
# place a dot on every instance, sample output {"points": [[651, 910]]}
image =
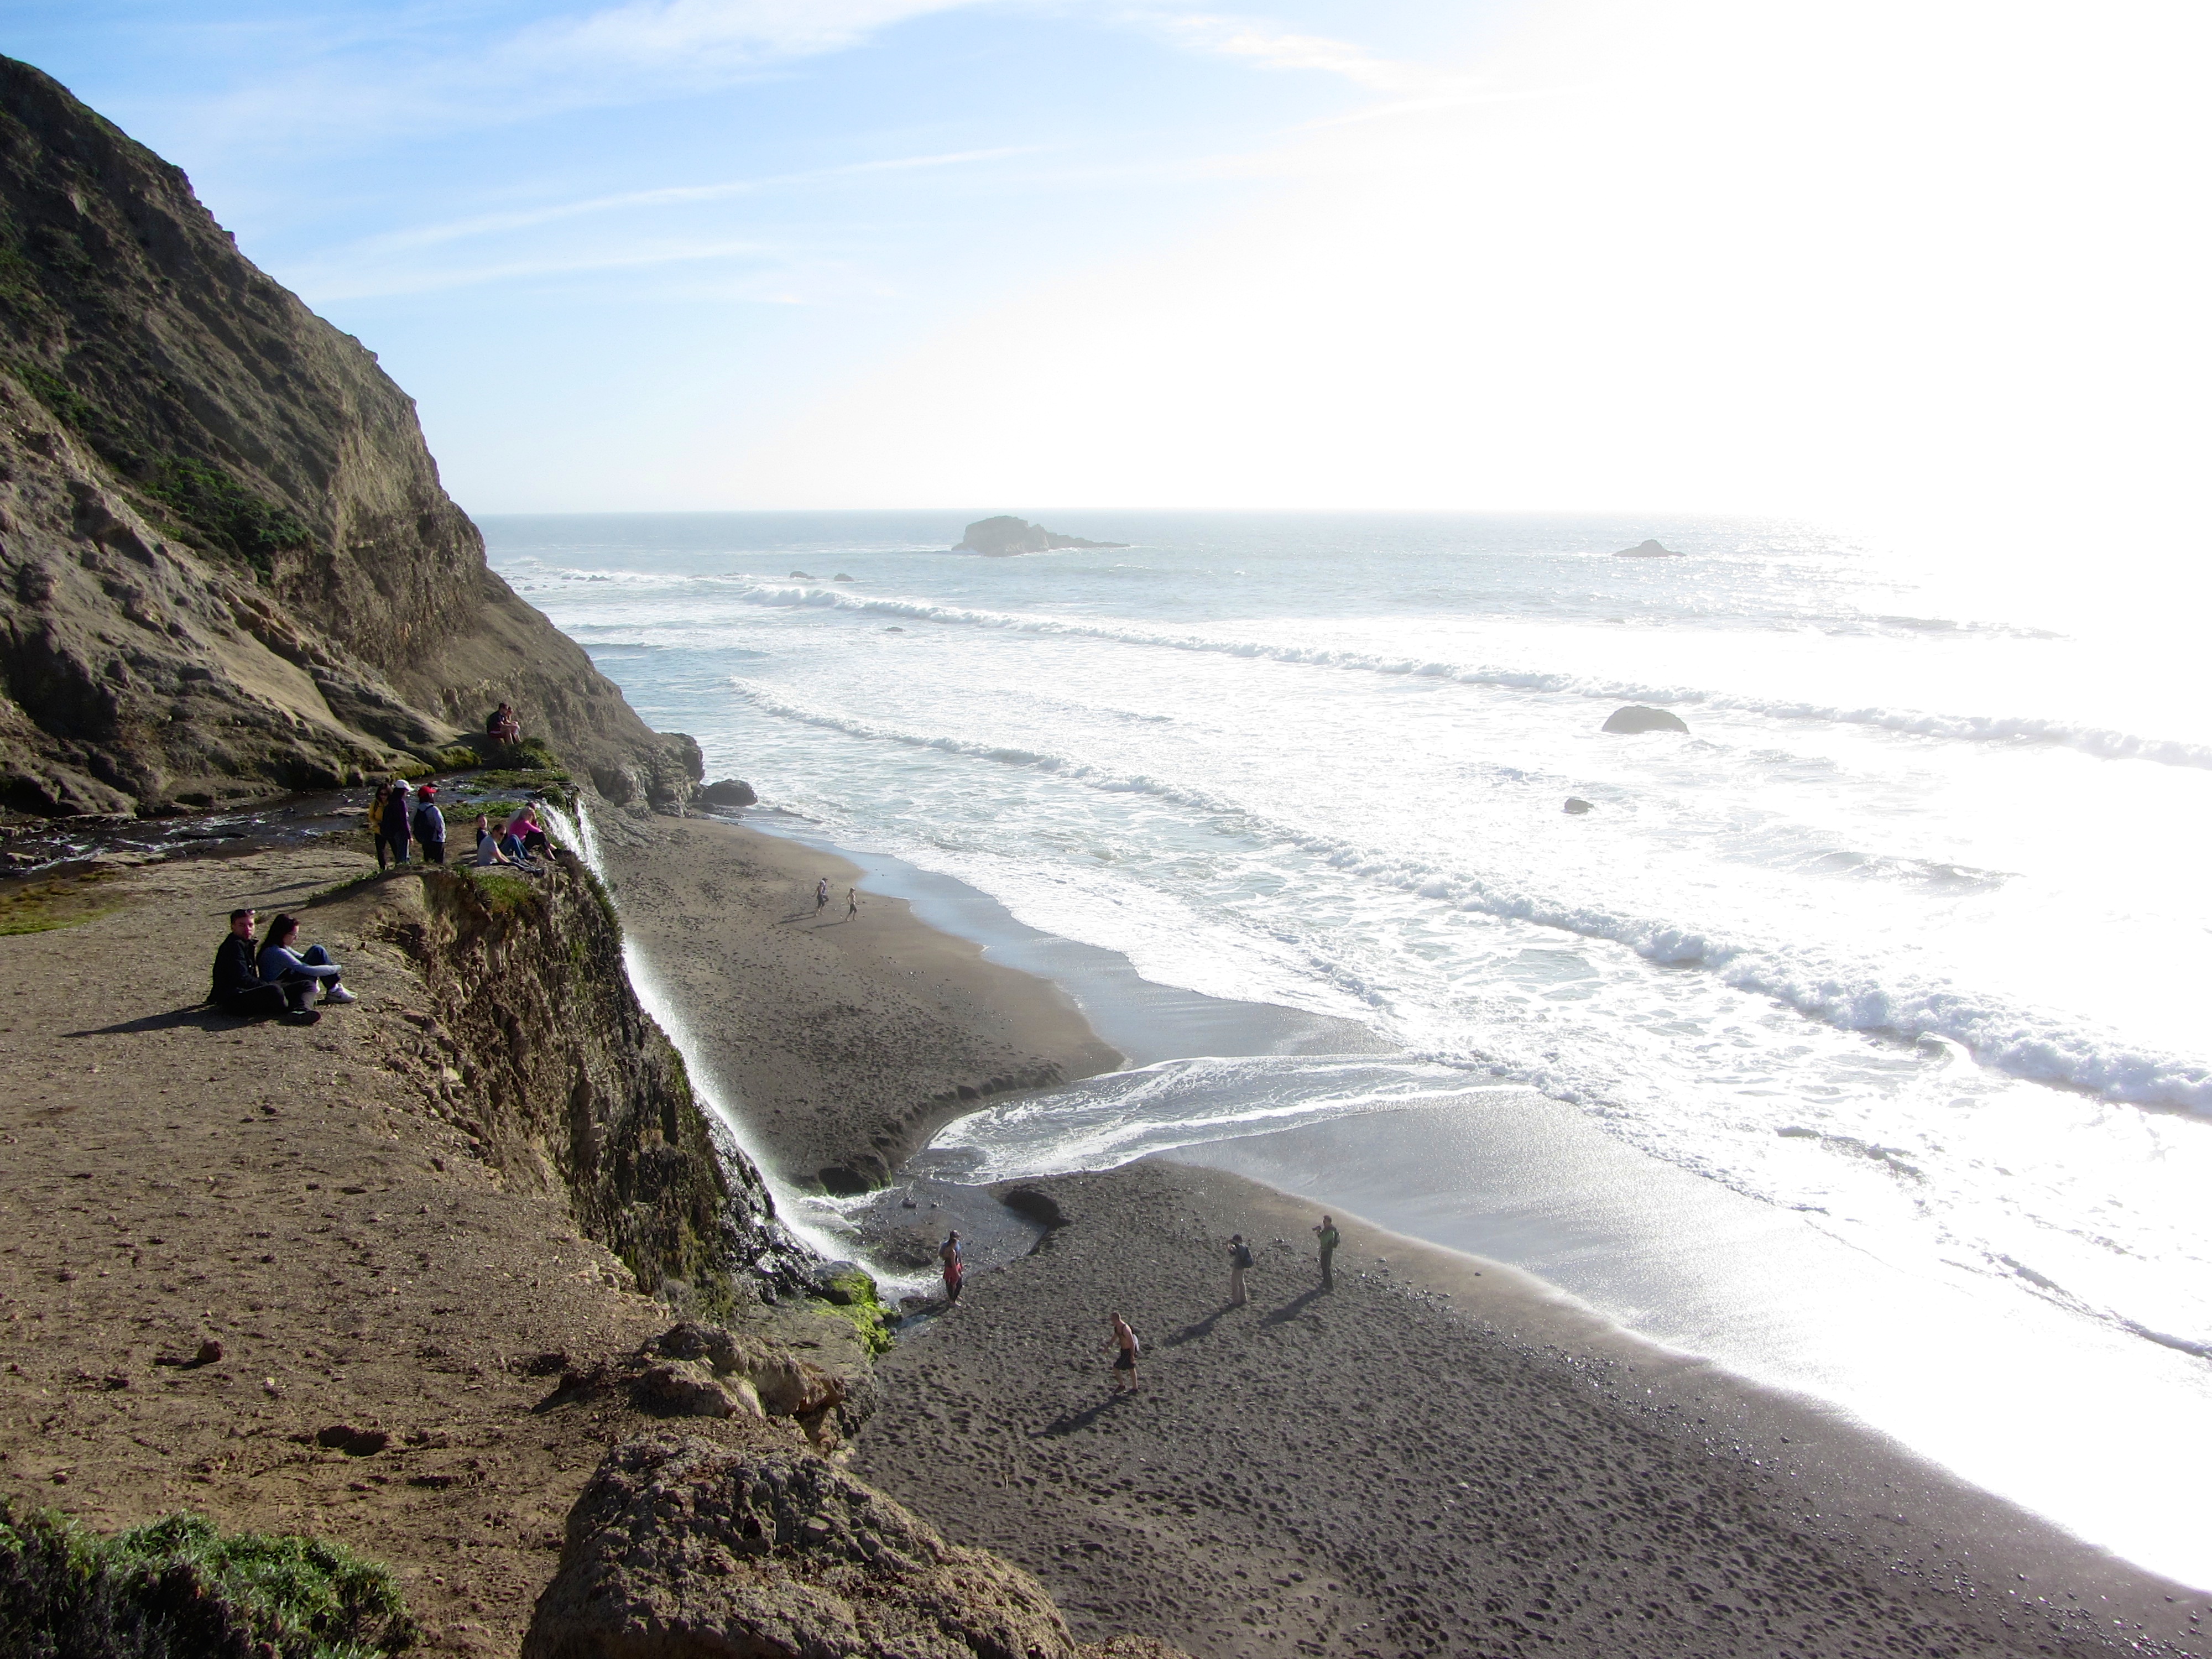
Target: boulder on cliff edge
{"points": [[683, 1545], [1637, 718]]}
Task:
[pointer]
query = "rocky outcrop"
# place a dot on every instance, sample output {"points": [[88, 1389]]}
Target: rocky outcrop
{"points": [[226, 565], [1637, 718], [565, 1086], [684, 1548], [1647, 550], [1576, 807], [729, 792], [1006, 536]]}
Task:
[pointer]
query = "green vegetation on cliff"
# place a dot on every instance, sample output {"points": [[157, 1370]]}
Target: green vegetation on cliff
{"points": [[179, 1589]]}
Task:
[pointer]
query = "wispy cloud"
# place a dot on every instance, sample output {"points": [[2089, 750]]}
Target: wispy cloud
{"points": [[1273, 47]]}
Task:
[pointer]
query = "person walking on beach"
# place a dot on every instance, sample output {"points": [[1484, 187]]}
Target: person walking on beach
{"points": [[954, 1270], [1240, 1260], [852, 903], [1329, 1239], [1123, 1341], [820, 896]]}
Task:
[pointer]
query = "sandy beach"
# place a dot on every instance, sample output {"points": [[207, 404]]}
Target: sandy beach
{"points": [[1443, 1456], [846, 1042]]}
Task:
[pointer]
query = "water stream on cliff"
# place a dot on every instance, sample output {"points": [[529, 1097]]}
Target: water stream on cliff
{"points": [[1892, 962]]}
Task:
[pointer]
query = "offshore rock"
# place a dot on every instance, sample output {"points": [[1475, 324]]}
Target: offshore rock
{"points": [[1647, 550], [227, 567], [730, 791], [683, 1546], [1637, 718], [1006, 536], [1577, 805]]}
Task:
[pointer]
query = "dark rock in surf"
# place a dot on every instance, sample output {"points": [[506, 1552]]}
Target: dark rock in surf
{"points": [[1004, 536], [1637, 718], [1575, 805], [840, 577], [1647, 550], [730, 791], [800, 576]]}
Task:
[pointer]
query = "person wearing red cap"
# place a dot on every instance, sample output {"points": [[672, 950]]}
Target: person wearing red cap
{"points": [[431, 825]]}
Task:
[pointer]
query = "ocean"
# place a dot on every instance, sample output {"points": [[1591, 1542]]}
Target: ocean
{"points": [[1897, 955]]}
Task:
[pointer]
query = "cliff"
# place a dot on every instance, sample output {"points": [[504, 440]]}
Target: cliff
{"points": [[226, 564], [1004, 536]]}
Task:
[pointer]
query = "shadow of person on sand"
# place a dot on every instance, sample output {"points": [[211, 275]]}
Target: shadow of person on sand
{"points": [[199, 1014], [1070, 1422], [1204, 1327], [1291, 1309]]}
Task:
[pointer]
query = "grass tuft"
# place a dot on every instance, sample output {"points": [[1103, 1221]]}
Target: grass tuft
{"points": [[71, 900], [179, 1589]]}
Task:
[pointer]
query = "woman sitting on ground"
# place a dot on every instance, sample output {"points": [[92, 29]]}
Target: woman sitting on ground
{"points": [[279, 965], [524, 839], [488, 853]]}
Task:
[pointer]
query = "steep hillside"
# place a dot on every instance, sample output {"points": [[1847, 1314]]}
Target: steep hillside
{"points": [[226, 565]]}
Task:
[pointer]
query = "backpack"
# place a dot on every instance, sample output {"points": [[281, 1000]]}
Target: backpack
{"points": [[1244, 1256], [429, 823]]}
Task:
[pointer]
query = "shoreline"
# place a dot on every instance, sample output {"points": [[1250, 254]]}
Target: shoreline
{"points": [[1853, 1467]]}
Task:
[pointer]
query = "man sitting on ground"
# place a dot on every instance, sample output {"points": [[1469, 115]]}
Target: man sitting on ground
{"points": [[503, 727], [238, 987], [488, 855]]}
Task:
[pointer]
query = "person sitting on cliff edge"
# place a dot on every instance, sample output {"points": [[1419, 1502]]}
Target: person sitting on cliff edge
{"points": [[502, 726], [279, 963], [238, 987]]}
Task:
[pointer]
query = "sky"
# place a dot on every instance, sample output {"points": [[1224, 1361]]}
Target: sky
{"points": [[1936, 266]]}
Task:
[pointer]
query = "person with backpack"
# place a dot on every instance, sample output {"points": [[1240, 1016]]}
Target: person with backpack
{"points": [[1124, 1343], [1240, 1262], [1329, 1238], [431, 825]]}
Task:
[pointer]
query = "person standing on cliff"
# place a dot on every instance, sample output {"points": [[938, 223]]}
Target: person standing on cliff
{"points": [[1329, 1238], [955, 1269], [1123, 1341], [377, 806], [1240, 1260], [397, 809], [431, 825]]}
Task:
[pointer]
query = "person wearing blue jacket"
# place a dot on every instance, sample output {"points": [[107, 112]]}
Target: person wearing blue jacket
{"points": [[280, 965]]}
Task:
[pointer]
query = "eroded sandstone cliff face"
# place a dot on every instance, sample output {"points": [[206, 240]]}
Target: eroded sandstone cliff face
{"points": [[538, 1050], [226, 564]]}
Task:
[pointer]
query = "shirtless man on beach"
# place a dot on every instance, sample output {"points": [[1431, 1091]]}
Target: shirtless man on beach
{"points": [[1124, 1342], [852, 903]]}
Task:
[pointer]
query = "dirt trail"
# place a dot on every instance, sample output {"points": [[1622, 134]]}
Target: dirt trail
{"points": [[172, 1176]]}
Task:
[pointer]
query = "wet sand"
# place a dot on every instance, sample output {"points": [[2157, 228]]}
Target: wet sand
{"points": [[1440, 1457], [1445, 1456], [844, 1043]]}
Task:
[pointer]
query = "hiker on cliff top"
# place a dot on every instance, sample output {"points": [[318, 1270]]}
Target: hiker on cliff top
{"points": [[377, 804], [1124, 1340], [431, 825], [397, 809], [281, 965], [238, 987], [955, 1269], [502, 725]]}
